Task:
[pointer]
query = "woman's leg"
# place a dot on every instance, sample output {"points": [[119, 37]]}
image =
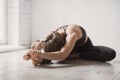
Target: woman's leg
{"points": [[98, 53]]}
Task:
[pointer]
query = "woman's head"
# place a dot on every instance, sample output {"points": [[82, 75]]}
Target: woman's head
{"points": [[55, 41]]}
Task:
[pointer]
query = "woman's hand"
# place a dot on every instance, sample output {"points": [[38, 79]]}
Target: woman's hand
{"points": [[38, 45], [27, 56], [34, 56]]}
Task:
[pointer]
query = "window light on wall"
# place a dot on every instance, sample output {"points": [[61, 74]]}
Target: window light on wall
{"points": [[3, 28]]}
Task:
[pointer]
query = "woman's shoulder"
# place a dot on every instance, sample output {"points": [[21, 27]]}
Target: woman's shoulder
{"points": [[73, 28]]}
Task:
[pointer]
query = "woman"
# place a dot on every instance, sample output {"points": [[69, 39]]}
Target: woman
{"points": [[69, 41]]}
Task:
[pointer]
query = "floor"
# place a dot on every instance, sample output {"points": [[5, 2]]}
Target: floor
{"points": [[13, 67]]}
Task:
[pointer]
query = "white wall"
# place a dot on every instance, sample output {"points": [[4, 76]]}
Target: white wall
{"points": [[19, 21], [3, 29], [100, 18]]}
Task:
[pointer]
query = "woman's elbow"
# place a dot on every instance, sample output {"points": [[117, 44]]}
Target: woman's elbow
{"points": [[63, 57]]}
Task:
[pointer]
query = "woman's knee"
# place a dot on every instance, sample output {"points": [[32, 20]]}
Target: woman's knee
{"points": [[107, 54], [111, 55]]}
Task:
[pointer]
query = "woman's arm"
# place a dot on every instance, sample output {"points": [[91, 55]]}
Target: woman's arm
{"points": [[64, 52], [72, 37]]}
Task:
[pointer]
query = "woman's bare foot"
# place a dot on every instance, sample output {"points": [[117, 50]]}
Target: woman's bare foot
{"points": [[36, 62], [32, 55]]}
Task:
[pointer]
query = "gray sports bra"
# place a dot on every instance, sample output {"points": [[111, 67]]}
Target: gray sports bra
{"points": [[80, 41]]}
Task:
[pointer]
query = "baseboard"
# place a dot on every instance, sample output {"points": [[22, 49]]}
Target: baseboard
{"points": [[7, 48]]}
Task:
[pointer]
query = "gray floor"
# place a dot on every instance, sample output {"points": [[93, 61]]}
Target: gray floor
{"points": [[13, 67]]}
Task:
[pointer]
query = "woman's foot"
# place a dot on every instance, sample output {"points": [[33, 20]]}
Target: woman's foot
{"points": [[36, 62]]}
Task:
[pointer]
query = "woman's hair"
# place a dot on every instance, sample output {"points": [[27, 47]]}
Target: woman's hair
{"points": [[55, 41]]}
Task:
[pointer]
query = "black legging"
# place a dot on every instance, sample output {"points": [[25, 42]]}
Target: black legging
{"points": [[97, 53], [90, 52]]}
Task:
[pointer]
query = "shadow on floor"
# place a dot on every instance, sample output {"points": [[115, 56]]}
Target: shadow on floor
{"points": [[73, 63]]}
